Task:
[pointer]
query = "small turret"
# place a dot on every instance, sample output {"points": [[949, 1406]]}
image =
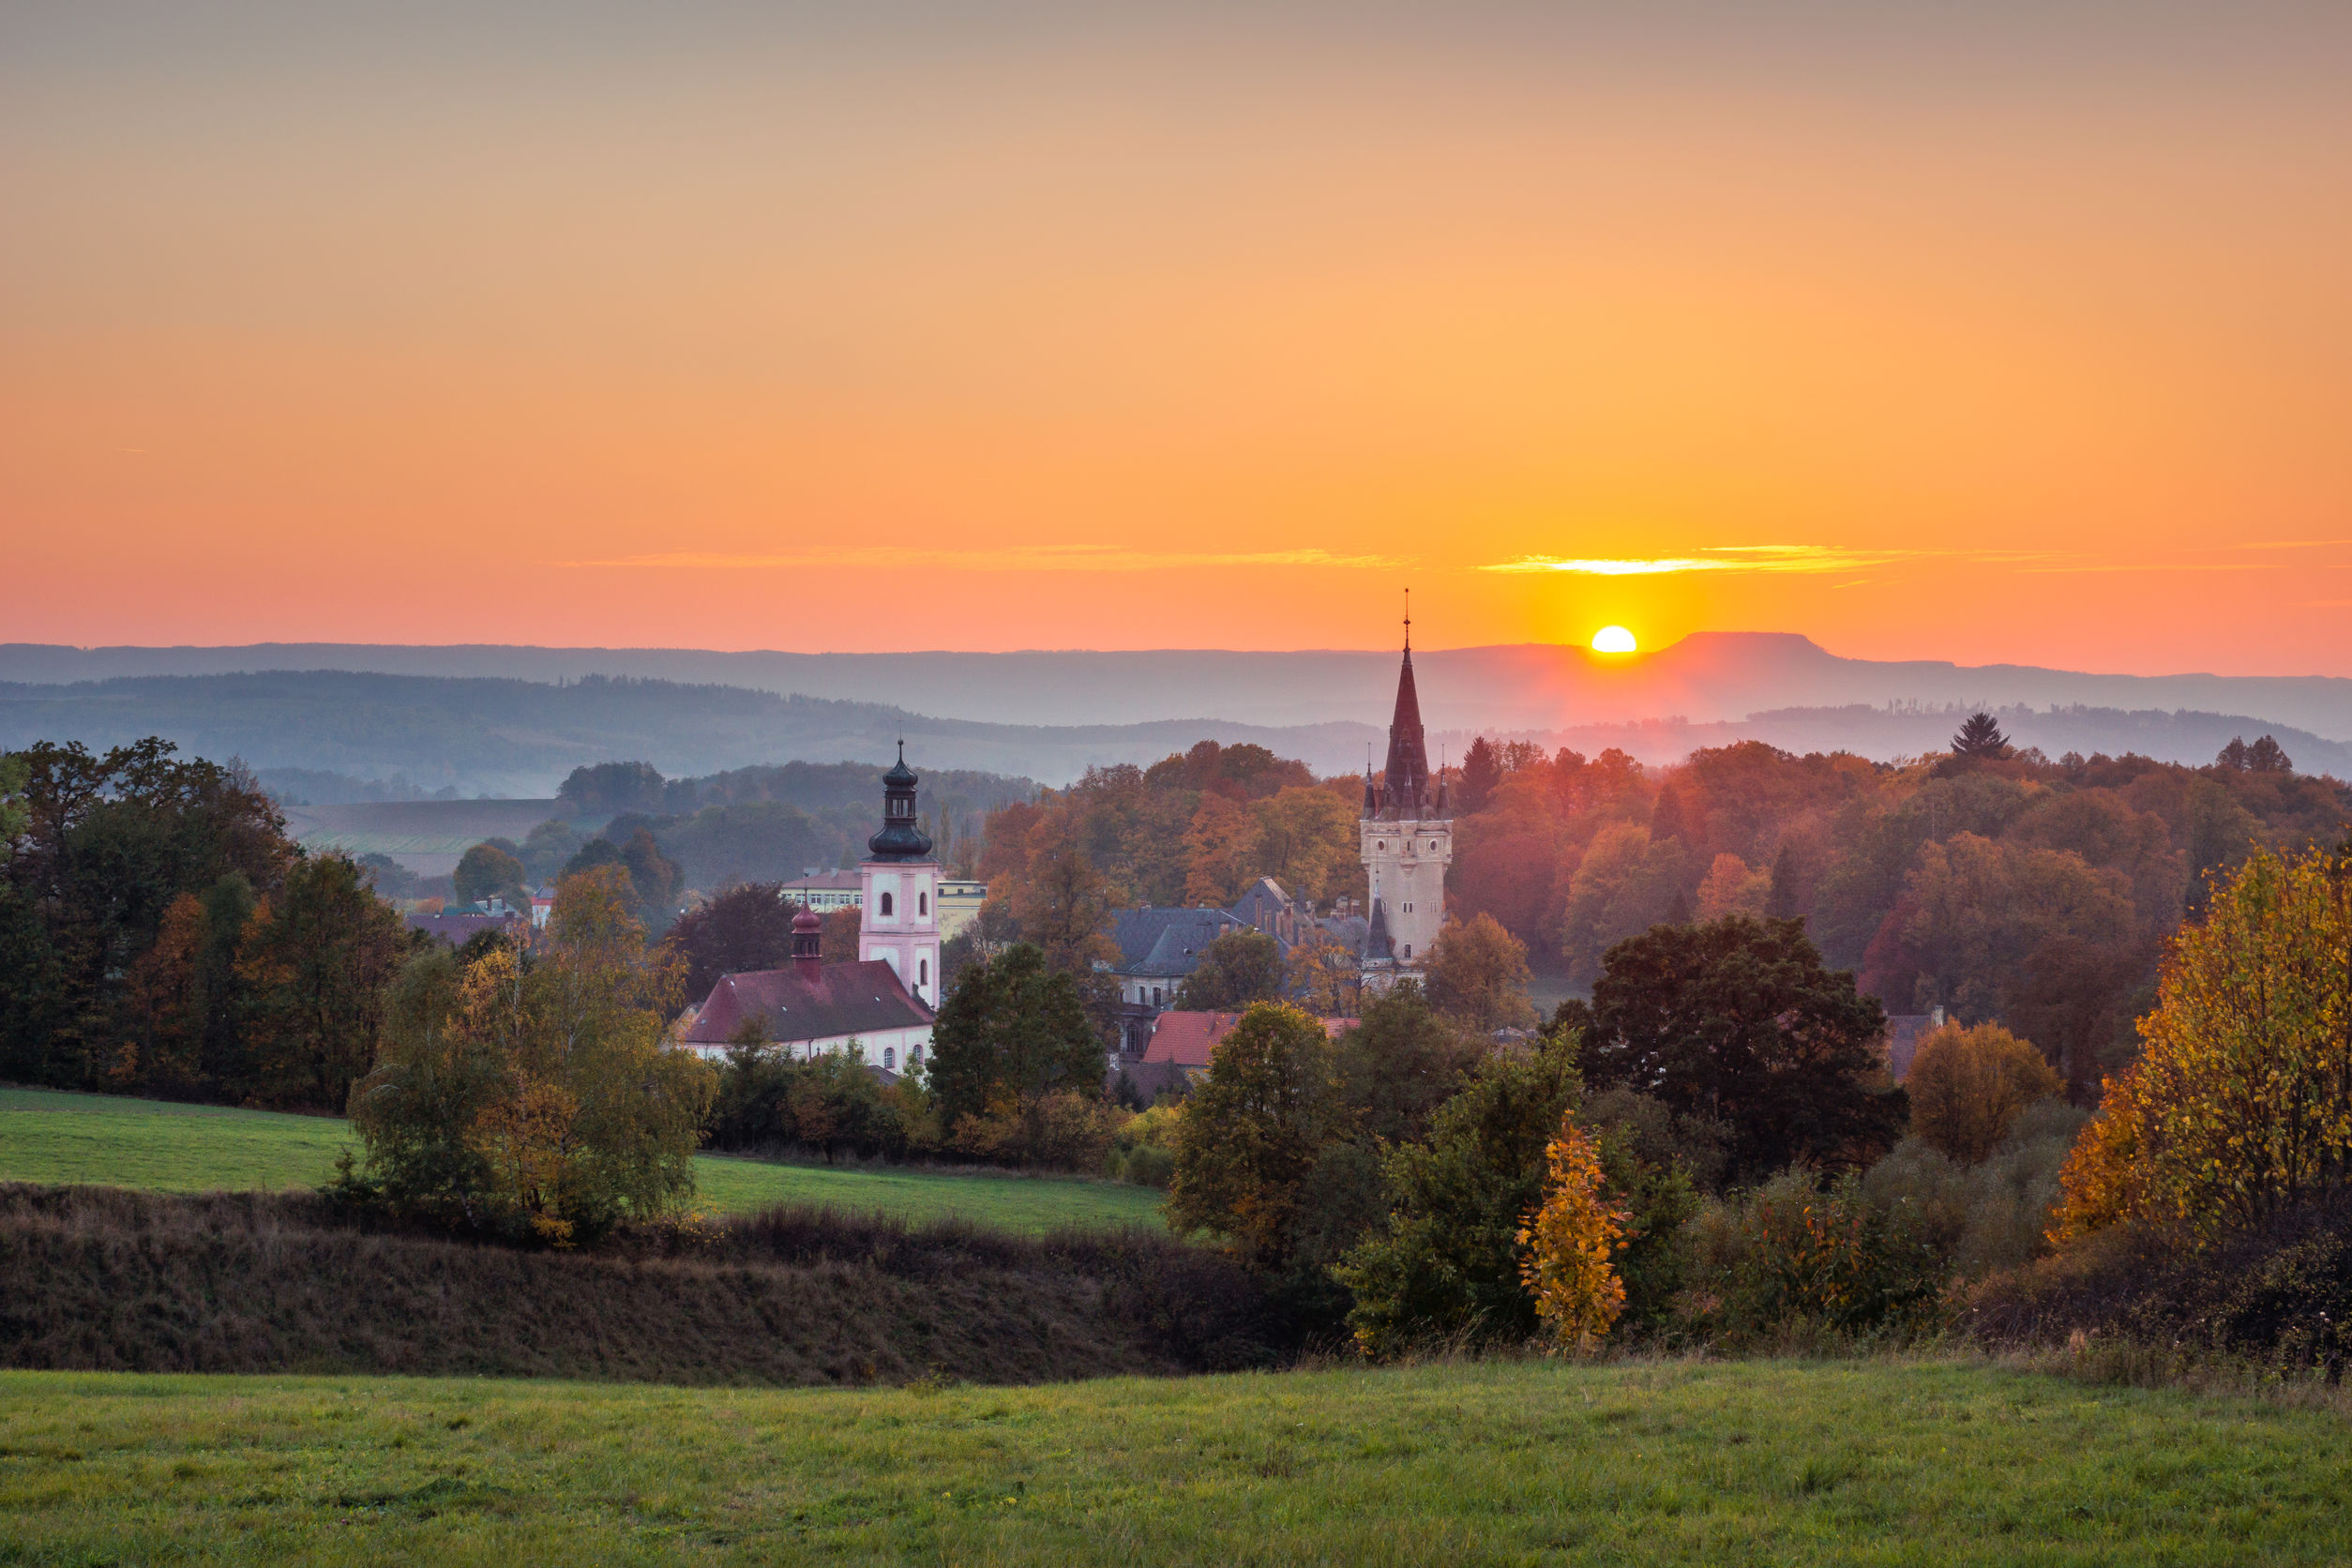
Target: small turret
{"points": [[807, 941]]}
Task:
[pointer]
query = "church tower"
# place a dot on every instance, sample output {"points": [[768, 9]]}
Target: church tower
{"points": [[899, 920], [1407, 839]]}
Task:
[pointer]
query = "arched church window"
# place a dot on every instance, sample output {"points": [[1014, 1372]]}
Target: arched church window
{"points": [[923, 972], [890, 1059], [885, 903], [922, 903]]}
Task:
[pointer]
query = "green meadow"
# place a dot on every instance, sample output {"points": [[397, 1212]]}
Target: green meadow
{"points": [[1529, 1462], [47, 1136]]}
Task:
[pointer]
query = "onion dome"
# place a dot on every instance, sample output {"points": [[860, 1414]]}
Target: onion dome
{"points": [[899, 838]]}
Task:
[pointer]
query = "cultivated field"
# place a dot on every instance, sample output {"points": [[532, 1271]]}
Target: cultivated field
{"points": [[102, 1140], [1499, 1463]]}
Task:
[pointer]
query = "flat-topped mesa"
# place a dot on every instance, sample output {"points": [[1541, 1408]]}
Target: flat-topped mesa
{"points": [[1405, 839]]}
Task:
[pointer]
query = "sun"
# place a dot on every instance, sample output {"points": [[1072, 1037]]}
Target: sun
{"points": [[1612, 640]]}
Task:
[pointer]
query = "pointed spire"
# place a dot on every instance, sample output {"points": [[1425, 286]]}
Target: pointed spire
{"points": [[1405, 791]]}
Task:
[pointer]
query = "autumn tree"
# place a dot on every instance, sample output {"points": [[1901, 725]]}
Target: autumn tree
{"points": [[2240, 1102], [316, 958], [1236, 968], [1740, 1020], [1324, 976], [1570, 1243], [1477, 976], [1967, 1085], [534, 1095]]}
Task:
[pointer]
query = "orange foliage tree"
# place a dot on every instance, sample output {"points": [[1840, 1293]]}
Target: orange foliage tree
{"points": [[2240, 1103]]}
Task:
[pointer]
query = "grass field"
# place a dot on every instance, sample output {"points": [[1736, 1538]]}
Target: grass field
{"points": [[58, 1138], [1763, 1462]]}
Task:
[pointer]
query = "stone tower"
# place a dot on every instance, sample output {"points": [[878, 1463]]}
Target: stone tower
{"points": [[898, 922], [1407, 839]]}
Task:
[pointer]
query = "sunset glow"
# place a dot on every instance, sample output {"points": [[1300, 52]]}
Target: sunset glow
{"points": [[1612, 640], [1920, 331]]}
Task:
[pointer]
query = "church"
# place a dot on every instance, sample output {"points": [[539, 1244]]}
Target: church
{"points": [[884, 1001]]}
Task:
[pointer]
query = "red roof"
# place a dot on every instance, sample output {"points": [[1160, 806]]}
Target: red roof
{"points": [[1188, 1038], [809, 1001]]}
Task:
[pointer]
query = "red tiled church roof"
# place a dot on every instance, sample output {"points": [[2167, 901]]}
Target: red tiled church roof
{"points": [[809, 1001], [1187, 1039]]}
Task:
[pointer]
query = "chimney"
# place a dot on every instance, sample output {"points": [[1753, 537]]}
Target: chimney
{"points": [[807, 934]]}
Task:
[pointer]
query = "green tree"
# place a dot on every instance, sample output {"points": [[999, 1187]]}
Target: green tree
{"points": [[1979, 736], [1447, 1263], [485, 871], [612, 787], [1739, 1020], [1235, 969], [1009, 1031], [1397, 1064], [1252, 1131], [1482, 770], [1477, 976]]}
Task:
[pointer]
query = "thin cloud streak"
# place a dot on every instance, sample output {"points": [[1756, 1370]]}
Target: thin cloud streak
{"points": [[1717, 558], [1016, 558]]}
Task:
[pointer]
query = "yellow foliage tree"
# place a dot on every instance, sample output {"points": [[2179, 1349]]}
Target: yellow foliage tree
{"points": [[1732, 888], [1569, 1243], [1968, 1085], [2240, 1103]]}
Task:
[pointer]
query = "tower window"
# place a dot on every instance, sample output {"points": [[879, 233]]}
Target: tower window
{"points": [[923, 902], [885, 903], [923, 972], [1381, 844], [1433, 843], [1408, 950]]}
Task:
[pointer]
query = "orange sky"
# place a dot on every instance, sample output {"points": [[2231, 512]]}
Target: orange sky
{"points": [[1014, 328]]}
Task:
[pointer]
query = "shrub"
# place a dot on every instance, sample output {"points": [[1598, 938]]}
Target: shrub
{"points": [[1059, 1131], [1968, 1085], [2240, 1103], [1989, 1216], [1143, 1150], [1798, 1256]]}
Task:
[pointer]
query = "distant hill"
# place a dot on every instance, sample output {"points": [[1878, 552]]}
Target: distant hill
{"points": [[520, 738], [1711, 677], [431, 735]]}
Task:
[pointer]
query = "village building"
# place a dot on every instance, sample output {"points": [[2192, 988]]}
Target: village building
{"points": [[955, 900], [1181, 1043], [884, 1001]]}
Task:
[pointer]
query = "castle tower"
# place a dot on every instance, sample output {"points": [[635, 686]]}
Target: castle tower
{"points": [[898, 879], [1406, 839]]}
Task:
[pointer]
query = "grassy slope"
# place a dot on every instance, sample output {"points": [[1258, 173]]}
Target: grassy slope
{"points": [[1748, 1463], [57, 1137]]}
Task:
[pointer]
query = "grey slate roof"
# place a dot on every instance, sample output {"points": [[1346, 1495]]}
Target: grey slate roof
{"points": [[1166, 941]]}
